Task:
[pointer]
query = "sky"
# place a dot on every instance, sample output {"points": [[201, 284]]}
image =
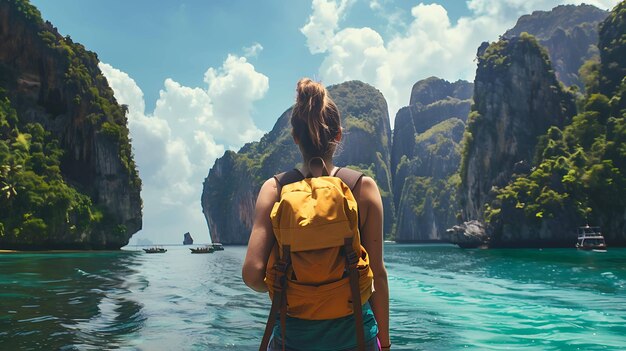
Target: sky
{"points": [[202, 77]]}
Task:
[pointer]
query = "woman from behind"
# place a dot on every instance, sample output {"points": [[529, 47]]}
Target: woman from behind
{"points": [[316, 129]]}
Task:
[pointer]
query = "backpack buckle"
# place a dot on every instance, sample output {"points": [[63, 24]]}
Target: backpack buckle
{"points": [[281, 266]]}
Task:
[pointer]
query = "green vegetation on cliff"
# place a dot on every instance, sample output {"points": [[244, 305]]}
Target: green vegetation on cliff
{"points": [[35, 201], [30, 12], [516, 100], [425, 158], [612, 46], [580, 175], [84, 80], [427, 200], [67, 163]]}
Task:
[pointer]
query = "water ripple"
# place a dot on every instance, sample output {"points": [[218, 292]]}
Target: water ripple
{"points": [[442, 298]]}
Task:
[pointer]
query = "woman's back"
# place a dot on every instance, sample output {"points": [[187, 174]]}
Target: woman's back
{"points": [[316, 131]]}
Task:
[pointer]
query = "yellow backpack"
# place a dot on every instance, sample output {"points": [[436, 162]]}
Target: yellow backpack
{"points": [[318, 268]]}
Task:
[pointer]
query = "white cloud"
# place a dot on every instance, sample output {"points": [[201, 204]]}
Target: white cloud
{"points": [[429, 45], [252, 51], [233, 88], [320, 28], [176, 144], [375, 5]]}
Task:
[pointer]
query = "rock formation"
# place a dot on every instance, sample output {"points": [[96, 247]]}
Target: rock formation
{"points": [[613, 52], [55, 83], [187, 239], [433, 89], [426, 156], [608, 194], [468, 235], [233, 183], [517, 98], [568, 32]]}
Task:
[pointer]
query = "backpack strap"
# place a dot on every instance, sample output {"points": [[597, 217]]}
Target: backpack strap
{"points": [[352, 259], [288, 177], [352, 178], [279, 302], [349, 176]]}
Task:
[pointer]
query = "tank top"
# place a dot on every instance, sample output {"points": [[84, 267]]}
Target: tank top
{"points": [[328, 334]]}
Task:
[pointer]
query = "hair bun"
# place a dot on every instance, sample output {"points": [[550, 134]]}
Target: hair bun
{"points": [[315, 118], [310, 91]]}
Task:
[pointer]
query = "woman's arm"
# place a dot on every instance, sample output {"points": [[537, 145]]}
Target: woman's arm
{"points": [[371, 208], [261, 238]]}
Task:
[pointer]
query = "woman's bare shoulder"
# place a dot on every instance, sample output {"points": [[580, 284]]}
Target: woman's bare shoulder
{"points": [[368, 182], [269, 183], [269, 191], [369, 186], [367, 191], [269, 186]]}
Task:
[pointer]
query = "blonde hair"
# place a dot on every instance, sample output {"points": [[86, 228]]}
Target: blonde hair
{"points": [[315, 119]]}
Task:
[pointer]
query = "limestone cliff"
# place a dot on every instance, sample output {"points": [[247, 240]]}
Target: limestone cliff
{"points": [[580, 174], [517, 98], [608, 194], [55, 83], [417, 119], [568, 32], [433, 89], [613, 52], [428, 202], [425, 157], [233, 183]]}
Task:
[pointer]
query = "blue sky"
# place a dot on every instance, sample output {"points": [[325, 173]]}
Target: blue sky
{"points": [[201, 77], [181, 39]]}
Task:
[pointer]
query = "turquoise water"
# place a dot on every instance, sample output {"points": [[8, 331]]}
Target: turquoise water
{"points": [[442, 298]]}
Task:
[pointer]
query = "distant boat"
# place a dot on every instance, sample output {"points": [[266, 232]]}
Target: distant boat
{"points": [[155, 249], [218, 247], [590, 238], [203, 249]]}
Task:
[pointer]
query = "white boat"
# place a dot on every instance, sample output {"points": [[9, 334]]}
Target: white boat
{"points": [[590, 238]]}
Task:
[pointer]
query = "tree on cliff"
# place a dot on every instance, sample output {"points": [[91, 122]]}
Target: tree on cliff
{"points": [[35, 201], [67, 162]]}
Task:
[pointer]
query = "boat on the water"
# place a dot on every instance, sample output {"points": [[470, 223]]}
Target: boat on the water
{"points": [[202, 249], [155, 249], [218, 247], [590, 238]]}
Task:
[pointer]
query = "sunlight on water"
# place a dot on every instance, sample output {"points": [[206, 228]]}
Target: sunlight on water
{"points": [[442, 298]]}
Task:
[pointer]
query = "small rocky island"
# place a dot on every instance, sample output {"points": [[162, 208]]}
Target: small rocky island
{"points": [[187, 240]]}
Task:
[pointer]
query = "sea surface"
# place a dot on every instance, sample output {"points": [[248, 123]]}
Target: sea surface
{"points": [[442, 298]]}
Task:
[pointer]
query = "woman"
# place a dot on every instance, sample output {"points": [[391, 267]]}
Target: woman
{"points": [[316, 129]]}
